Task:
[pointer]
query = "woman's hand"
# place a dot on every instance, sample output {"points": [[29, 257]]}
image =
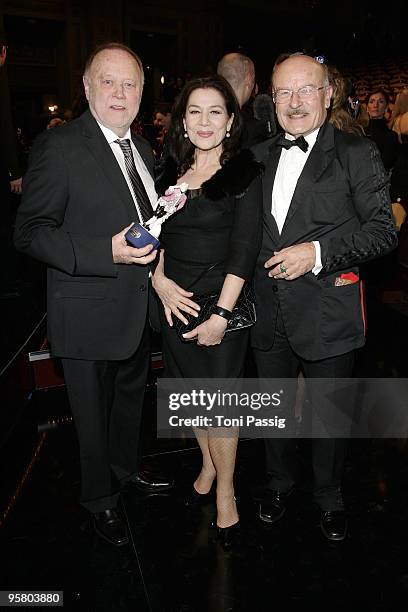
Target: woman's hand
{"points": [[209, 333], [174, 298]]}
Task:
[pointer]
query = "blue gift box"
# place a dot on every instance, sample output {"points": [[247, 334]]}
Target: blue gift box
{"points": [[138, 236]]}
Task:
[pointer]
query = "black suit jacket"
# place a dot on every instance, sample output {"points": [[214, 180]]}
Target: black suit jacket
{"points": [[9, 161], [341, 200], [75, 199]]}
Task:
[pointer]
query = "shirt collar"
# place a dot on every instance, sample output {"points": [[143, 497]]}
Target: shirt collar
{"points": [[310, 138], [111, 136]]}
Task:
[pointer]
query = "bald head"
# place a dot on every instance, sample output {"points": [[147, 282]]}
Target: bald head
{"points": [[302, 93], [299, 62], [239, 71]]}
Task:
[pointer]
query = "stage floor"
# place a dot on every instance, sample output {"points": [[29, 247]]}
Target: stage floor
{"points": [[173, 563]]}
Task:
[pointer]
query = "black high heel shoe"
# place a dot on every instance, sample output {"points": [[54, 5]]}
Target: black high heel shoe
{"points": [[194, 498], [228, 536]]}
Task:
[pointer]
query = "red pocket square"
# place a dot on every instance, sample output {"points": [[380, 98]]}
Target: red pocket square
{"points": [[348, 278]]}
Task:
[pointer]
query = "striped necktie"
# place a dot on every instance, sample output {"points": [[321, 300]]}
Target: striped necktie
{"points": [[139, 190]]}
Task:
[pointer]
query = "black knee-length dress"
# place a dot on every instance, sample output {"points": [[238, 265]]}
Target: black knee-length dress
{"points": [[221, 223]]}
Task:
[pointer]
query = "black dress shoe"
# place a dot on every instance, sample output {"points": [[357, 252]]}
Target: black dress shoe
{"points": [[151, 483], [334, 525], [110, 527], [228, 536], [273, 506]]}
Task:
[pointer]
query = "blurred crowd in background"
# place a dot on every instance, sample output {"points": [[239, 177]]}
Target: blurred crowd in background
{"points": [[380, 114]]}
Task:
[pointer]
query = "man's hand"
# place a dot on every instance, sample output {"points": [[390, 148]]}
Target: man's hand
{"points": [[292, 262], [16, 186], [125, 254]]}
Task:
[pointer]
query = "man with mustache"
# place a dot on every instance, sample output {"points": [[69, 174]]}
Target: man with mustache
{"points": [[326, 210]]}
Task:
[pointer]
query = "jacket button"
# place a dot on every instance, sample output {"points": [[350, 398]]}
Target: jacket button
{"points": [[142, 288], [275, 288]]}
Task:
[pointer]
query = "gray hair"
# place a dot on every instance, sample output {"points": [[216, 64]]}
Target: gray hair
{"points": [[114, 46]]}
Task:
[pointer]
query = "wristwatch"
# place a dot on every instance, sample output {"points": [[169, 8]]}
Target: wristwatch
{"points": [[222, 312]]}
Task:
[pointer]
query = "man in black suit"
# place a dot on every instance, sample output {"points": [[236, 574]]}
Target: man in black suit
{"points": [[86, 183], [8, 150], [326, 210], [10, 185]]}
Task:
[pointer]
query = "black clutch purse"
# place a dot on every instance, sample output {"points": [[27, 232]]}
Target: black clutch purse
{"points": [[243, 314]]}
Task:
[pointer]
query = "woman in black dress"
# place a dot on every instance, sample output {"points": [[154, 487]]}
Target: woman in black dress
{"points": [[211, 244]]}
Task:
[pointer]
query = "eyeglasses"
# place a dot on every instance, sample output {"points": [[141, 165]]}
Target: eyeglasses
{"points": [[304, 93]]}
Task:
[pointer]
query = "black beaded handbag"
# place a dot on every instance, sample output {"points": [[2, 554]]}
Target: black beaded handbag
{"points": [[243, 314]]}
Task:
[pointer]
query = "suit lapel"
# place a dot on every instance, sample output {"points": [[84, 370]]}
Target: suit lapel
{"points": [[319, 159], [268, 181], [99, 148]]}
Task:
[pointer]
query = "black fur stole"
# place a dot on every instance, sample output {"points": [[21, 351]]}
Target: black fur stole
{"points": [[232, 179]]}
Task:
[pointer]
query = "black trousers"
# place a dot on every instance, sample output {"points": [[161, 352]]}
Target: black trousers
{"points": [[280, 361], [106, 399]]}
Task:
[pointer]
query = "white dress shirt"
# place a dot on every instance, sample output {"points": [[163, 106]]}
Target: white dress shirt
{"points": [[290, 166], [139, 163]]}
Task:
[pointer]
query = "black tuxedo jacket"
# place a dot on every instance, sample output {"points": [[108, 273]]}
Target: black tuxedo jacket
{"points": [[341, 200], [75, 199]]}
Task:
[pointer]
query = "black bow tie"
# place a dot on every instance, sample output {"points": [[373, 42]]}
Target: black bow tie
{"points": [[300, 142]]}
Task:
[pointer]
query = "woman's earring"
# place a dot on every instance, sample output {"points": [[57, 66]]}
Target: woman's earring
{"points": [[227, 134], [185, 135]]}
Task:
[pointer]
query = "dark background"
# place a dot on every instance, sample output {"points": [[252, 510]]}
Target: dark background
{"points": [[50, 39]]}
